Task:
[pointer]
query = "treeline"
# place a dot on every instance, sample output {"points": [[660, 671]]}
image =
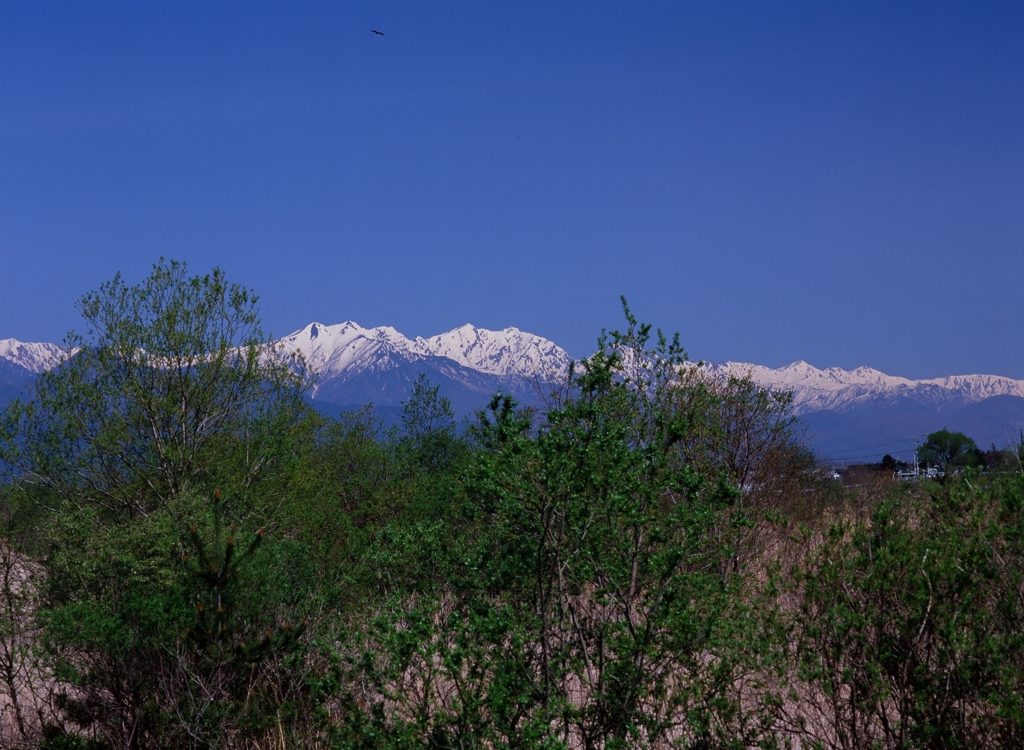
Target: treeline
{"points": [[191, 557], [953, 451], [944, 451]]}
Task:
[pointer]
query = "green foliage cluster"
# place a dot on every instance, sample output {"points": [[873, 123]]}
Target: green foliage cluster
{"points": [[950, 451], [191, 557], [913, 617]]}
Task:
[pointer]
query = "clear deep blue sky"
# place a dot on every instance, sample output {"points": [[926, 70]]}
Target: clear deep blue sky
{"points": [[838, 183]]}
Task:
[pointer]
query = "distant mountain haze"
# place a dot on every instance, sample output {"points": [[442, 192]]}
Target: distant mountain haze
{"points": [[850, 416]]}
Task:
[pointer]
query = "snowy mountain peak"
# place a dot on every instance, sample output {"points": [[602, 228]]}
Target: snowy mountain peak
{"points": [[331, 350], [347, 348], [34, 357], [506, 352]]}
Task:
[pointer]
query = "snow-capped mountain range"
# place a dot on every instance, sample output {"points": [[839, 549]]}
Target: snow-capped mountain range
{"points": [[346, 349], [356, 365], [844, 410], [840, 390], [35, 358]]}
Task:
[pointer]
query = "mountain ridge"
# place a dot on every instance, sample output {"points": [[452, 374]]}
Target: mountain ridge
{"points": [[354, 365], [348, 347], [335, 349], [836, 389], [35, 357]]}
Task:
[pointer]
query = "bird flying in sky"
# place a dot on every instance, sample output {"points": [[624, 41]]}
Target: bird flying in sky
{"points": [[377, 32]]}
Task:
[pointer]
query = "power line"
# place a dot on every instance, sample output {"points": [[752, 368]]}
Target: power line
{"points": [[858, 454], [883, 445]]}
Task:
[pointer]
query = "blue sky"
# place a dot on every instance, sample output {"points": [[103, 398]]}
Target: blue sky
{"points": [[838, 183]]}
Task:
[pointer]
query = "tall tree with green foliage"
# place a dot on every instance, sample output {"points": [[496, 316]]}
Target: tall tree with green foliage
{"points": [[949, 451], [172, 390], [173, 385], [428, 426]]}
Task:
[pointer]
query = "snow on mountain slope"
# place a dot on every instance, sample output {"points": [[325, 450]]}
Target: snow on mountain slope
{"points": [[978, 387], [339, 353], [346, 349], [34, 357], [841, 390], [506, 352]]}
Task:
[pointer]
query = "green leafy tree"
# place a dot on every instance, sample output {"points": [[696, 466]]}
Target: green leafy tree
{"points": [[428, 426], [747, 435], [427, 412], [216, 683], [950, 450], [346, 483], [172, 390], [172, 386]]}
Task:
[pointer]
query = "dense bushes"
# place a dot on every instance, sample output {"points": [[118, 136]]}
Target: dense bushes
{"points": [[191, 558], [912, 621]]}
